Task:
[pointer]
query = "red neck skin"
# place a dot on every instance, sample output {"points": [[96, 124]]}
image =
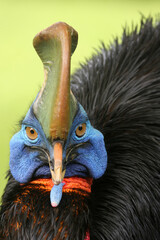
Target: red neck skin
{"points": [[71, 184]]}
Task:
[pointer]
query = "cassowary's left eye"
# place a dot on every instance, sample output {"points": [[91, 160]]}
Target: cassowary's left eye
{"points": [[31, 133], [81, 129]]}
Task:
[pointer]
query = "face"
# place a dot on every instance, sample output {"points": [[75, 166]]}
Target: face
{"points": [[56, 139], [31, 153]]}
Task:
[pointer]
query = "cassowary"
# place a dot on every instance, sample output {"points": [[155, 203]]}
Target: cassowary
{"points": [[85, 163]]}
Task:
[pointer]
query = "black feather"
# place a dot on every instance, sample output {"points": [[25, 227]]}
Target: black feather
{"points": [[120, 90]]}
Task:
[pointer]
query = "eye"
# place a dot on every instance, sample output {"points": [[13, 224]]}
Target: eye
{"points": [[31, 133], [81, 129]]}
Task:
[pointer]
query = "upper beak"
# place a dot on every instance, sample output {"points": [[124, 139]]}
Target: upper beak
{"points": [[56, 166]]}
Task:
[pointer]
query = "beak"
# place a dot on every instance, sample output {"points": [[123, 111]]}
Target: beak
{"points": [[56, 167]]}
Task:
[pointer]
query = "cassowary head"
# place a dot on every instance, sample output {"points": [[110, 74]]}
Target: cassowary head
{"points": [[56, 139]]}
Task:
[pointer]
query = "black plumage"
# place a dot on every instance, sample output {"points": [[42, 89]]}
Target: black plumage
{"points": [[119, 88]]}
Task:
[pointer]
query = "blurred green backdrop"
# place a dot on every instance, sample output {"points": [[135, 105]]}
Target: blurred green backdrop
{"points": [[21, 72]]}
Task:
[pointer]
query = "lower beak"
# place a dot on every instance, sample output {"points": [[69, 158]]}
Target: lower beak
{"points": [[57, 171]]}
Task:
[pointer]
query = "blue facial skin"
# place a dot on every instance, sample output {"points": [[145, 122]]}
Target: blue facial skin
{"points": [[91, 157], [29, 158]]}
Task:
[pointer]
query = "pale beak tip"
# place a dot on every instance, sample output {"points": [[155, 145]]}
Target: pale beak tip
{"points": [[57, 178]]}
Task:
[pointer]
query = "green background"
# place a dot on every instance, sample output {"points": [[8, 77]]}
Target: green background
{"points": [[21, 72]]}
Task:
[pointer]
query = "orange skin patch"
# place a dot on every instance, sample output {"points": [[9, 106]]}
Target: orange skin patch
{"points": [[72, 184]]}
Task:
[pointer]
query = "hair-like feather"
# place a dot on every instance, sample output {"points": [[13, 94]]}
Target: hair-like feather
{"points": [[120, 90]]}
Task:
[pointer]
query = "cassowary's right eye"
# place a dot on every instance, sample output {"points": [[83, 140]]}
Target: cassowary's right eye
{"points": [[31, 133]]}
